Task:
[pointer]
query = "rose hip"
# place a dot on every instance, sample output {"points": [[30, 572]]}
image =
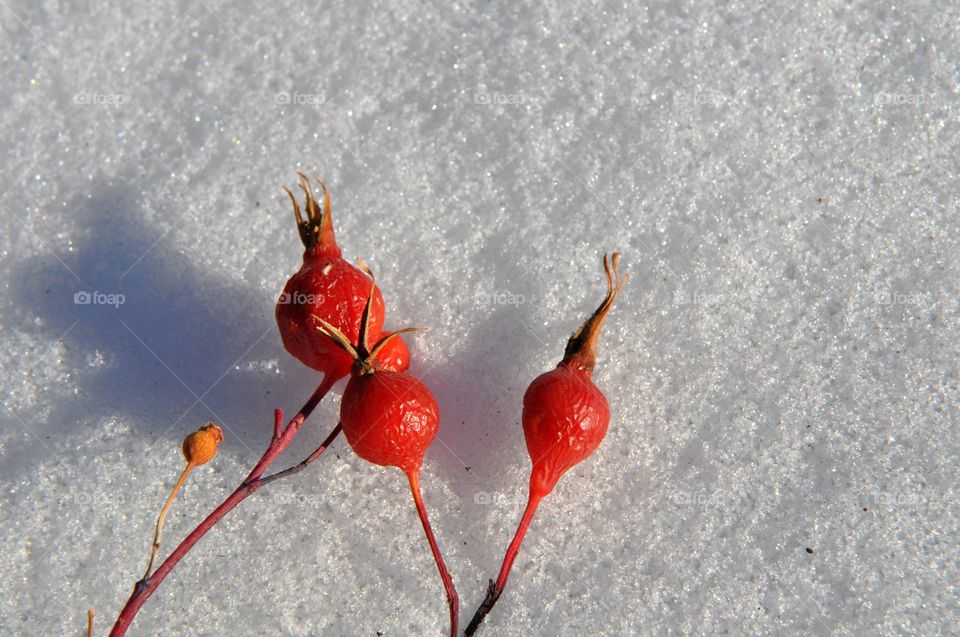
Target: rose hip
{"points": [[565, 417], [390, 418], [326, 286]]}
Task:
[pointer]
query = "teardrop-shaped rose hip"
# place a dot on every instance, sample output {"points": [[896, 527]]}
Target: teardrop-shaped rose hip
{"points": [[565, 417]]}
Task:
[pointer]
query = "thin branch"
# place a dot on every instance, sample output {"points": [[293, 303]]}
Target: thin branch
{"points": [[495, 589], [297, 468], [158, 532], [148, 585]]}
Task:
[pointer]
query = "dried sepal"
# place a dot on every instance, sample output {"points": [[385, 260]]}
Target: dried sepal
{"points": [[338, 337], [317, 227], [362, 354], [363, 341], [582, 346], [389, 337]]}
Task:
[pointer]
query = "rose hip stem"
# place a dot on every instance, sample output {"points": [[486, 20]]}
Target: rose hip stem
{"points": [[453, 600], [565, 417], [199, 448], [282, 436], [325, 285]]}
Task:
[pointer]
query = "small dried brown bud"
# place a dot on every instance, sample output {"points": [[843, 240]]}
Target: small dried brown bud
{"points": [[201, 446]]}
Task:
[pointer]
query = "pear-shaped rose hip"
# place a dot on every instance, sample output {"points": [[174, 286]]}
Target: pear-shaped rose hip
{"points": [[565, 417]]}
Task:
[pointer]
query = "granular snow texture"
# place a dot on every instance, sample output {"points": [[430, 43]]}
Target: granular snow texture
{"points": [[782, 367]]}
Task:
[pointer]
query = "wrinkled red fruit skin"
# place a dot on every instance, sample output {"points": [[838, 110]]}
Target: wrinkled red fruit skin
{"points": [[389, 418], [331, 288], [565, 417]]}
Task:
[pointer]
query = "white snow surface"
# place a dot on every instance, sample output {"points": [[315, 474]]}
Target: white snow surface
{"points": [[782, 366]]}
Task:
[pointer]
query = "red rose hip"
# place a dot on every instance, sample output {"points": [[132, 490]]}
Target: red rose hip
{"points": [[390, 418], [565, 417], [326, 286]]}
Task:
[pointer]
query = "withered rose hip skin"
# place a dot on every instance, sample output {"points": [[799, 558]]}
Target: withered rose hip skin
{"points": [[390, 418], [329, 287], [565, 417]]}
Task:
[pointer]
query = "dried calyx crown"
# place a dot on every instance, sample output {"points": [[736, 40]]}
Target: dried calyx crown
{"points": [[582, 345], [363, 354], [317, 228]]}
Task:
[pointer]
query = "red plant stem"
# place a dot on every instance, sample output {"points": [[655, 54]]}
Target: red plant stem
{"points": [[280, 440], [495, 589], [453, 600], [303, 464]]}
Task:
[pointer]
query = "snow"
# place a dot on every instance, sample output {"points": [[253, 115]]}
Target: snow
{"points": [[781, 367]]}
